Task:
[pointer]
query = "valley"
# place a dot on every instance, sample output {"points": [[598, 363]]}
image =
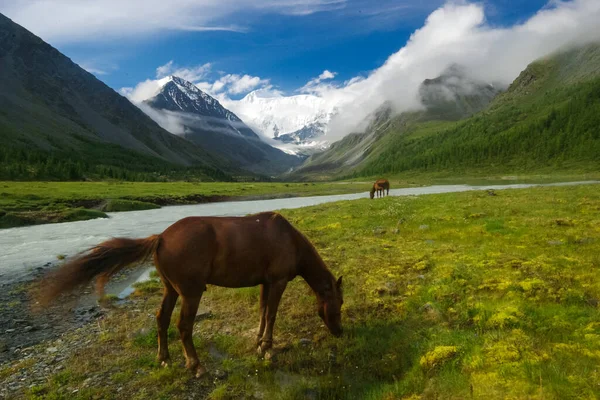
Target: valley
{"points": [[468, 295], [477, 277]]}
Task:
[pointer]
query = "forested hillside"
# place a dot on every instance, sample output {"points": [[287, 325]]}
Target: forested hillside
{"points": [[563, 127]]}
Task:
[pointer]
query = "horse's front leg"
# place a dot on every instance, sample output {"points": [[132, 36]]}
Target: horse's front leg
{"points": [[264, 297], [275, 292]]}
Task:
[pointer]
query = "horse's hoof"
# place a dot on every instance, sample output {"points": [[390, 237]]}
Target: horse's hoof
{"points": [[270, 355], [200, 372], [263, 347]]}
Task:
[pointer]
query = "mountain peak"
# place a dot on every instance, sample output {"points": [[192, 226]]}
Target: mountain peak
{"points": [[178, 94], [173, 85], [204, 121], [454, 94]]}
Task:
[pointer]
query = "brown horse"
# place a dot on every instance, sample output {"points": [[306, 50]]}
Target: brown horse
{"points": [[262, 249], [379, 186]]}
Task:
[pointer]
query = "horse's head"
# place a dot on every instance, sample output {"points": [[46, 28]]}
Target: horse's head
{"points": [[372, 192], [330, 305]]}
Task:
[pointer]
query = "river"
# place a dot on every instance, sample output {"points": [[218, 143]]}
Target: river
{"points": [[25, 248]]}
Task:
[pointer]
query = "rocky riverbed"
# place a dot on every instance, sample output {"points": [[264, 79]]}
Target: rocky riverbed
{"points": [[34, 343]]}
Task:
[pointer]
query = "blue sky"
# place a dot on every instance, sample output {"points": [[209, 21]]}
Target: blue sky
{"points": [[288, 45]]}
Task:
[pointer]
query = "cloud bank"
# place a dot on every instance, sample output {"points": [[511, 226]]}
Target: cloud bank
{"points": [[456, 33], [97, 20], [233, 84]]}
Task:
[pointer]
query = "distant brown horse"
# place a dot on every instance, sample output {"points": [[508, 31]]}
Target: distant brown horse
{"points": [[262, 249], [379, 186]]}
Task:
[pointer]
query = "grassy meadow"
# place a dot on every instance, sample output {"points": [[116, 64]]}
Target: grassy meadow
{"points": [[455, 296]]}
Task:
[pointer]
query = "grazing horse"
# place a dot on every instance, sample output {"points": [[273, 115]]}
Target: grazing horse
{"points": [[262, 249], [379, 186]]}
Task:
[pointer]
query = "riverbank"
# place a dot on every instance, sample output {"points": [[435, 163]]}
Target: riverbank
{"points": [[22, 327], [33, 203], [458, 295]]}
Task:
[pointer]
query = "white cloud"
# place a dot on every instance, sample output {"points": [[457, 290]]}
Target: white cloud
{"points": [[93, 70], [315, 85], [98, 20], [142, 91], [326, 75], [238, 84], [192, 74], [97, 67], [169, 120]]}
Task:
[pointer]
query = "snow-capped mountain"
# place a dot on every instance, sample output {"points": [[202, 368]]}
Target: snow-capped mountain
{"points": [[304, 134], [178, 95], [184, 109], [306, 141], [299, 119]]}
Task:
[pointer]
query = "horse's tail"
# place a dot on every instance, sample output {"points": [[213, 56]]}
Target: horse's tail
{"points": [[102, 261]]}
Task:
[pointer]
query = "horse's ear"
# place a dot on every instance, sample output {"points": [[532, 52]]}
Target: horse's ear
{"points": [[339, 282]]}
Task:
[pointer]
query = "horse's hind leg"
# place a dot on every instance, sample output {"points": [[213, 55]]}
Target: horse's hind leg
{"points": [[264, 296], [163, 319], [189, 307]]}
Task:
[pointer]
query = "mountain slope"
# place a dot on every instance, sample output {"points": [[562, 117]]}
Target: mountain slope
{"points": [[52, 108], [451, 96], [184, 109], [548, 117]]}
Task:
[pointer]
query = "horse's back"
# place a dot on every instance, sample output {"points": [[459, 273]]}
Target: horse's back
{"points": [[233, 251], [383, 183]]}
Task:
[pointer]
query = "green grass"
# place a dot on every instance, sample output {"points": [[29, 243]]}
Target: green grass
{"points": [[27, 203], [478, 178], [24, 218], [474, 296]]}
